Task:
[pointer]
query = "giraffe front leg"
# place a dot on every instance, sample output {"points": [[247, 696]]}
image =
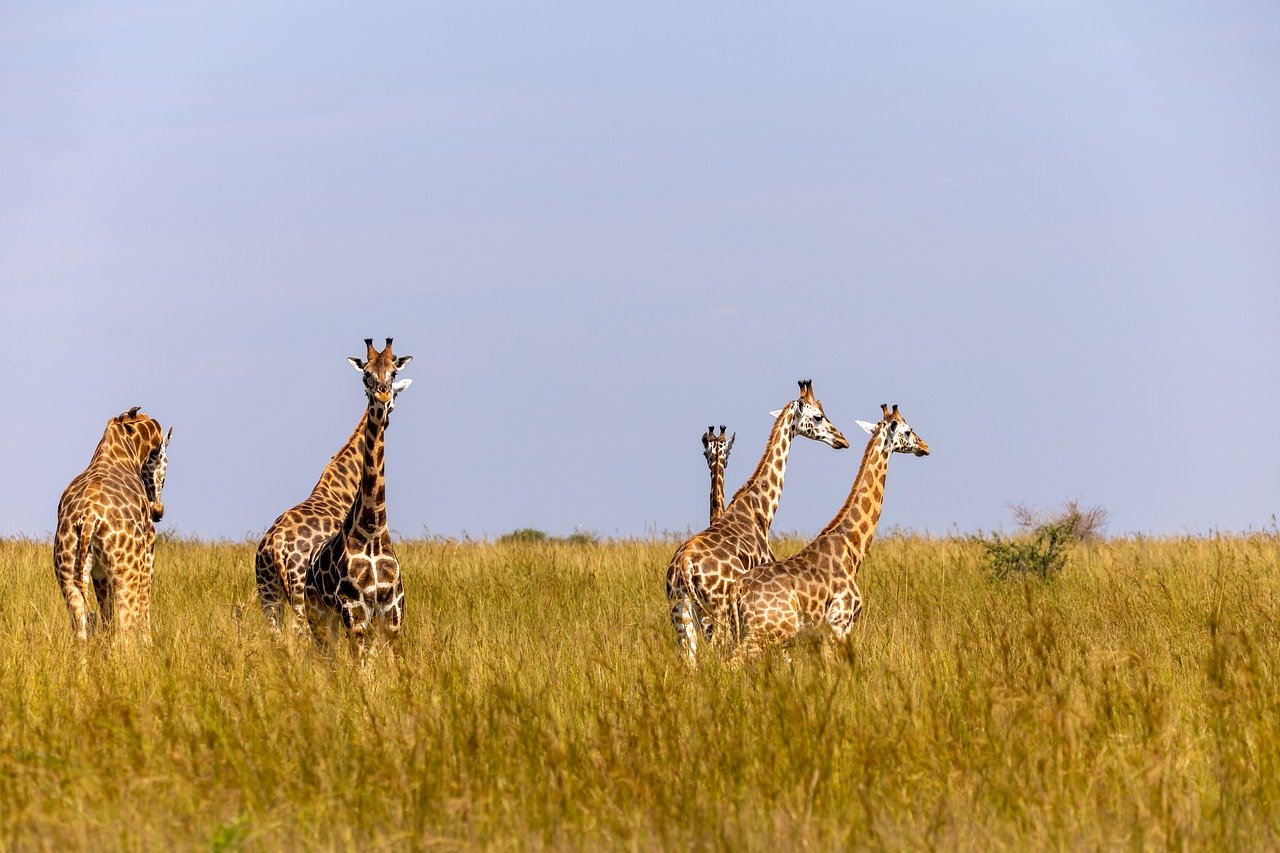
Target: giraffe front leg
{"points": [[144, 587], [357, 619], [320, 618], [842, 614], [393, 614], [127, 570]]}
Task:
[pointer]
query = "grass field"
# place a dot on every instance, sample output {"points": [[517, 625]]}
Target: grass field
{"points": [[538, 700]]}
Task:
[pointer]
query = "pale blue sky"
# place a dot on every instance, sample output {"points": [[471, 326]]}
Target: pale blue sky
{"points": [[1050, 231]]}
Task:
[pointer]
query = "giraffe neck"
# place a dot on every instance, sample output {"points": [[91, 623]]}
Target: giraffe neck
{"points": [[117, 446], [367, 520], [762, 491], [855, 524], [717, 488], [341, 477]]}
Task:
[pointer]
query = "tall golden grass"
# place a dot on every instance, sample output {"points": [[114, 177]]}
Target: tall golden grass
{"points": [[538, 700]]}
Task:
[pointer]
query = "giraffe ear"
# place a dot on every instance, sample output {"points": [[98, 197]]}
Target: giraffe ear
{"points": [[356, 363], [729, 446], [403, 360], [400, 384], [866, 427], [775, 414], [168, 437]]}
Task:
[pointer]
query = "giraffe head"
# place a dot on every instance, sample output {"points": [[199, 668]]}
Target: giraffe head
{"points": [[380, 384], [895, 433], [716, 447], [811, 421], [153, 472]]}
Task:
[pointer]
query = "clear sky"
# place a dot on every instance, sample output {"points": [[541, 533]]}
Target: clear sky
{"points": [[1049, 231]]}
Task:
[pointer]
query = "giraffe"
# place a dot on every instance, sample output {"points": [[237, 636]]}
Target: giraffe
{"points": [[716, 449], [704, 568], [289, 543], [106, 526], [775, 602], [354, 577]]}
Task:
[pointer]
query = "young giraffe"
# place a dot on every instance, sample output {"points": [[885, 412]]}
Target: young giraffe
{"points": [[354, 578], [704, 569], [774, 602], [288, 545], [106, 526], [716, 449]]}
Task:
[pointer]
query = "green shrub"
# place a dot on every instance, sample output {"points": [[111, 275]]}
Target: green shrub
{"points": [[524, 534], [1041, 551]]}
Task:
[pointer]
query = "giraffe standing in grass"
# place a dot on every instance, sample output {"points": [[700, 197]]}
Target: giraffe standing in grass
{"points": [[354, 578], [704, 569], [106, 526], [716, 450], [818, 586]]}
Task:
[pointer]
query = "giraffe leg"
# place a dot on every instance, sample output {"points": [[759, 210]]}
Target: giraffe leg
{"points": [[391, 608], [106, 600], [123, 579], [842, 613], [72, 559], [320, 619], [271, 592], [144, 584], [683, 620], [292, 578], [357, 618], [70, 552], [744, 635]]}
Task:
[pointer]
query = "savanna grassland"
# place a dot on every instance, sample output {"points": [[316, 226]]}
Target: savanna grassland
{"points": [[538, 700]]}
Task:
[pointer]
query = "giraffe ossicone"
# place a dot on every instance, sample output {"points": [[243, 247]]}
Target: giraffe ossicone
{"points": [[816, 587], [704, 569]]}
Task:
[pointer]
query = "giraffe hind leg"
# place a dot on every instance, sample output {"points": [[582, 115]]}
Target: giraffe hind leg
{"points": [[687, 627], [106, 599], [271, 590], [77, 610]]}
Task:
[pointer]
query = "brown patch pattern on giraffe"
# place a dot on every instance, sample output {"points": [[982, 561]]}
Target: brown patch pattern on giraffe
{"points": [[705, 568], [353, 582], [106, 526], [776, 601], [287, 547]]}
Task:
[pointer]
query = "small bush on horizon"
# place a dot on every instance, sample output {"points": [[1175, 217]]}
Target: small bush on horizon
{"points": [[527, 535], [524, 534], [1042, 549]]}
